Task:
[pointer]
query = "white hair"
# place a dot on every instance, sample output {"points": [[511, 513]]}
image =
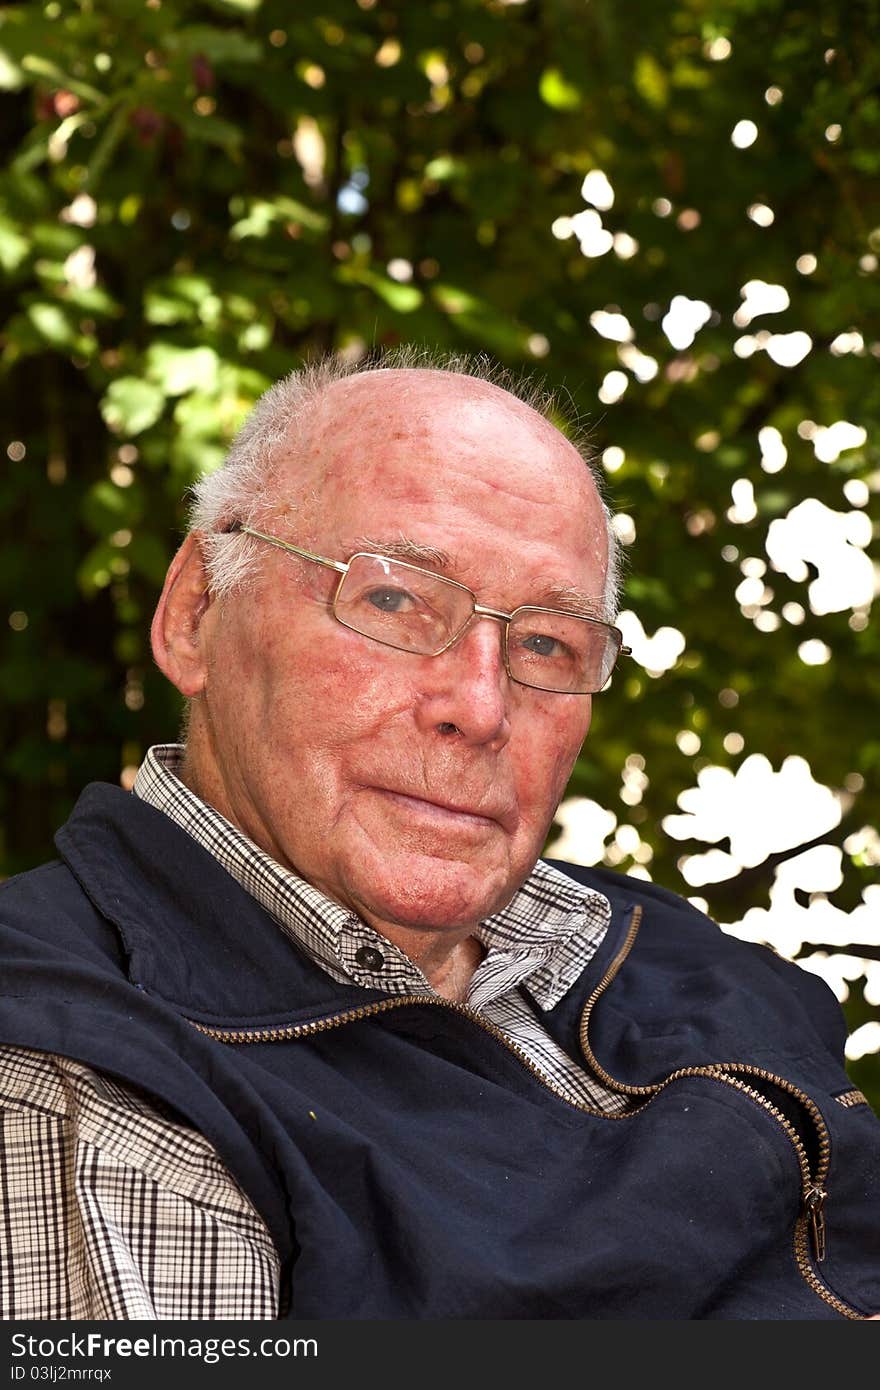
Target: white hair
{"points": [[242, 489]]}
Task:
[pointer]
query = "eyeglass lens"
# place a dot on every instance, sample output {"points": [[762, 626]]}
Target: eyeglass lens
{"points": [[420, 612]]}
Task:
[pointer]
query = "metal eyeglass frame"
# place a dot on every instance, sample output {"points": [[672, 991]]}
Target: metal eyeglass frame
{"points": [[479, 610]]}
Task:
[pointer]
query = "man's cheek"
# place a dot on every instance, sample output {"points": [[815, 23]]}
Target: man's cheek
{"points": [[335, 701], [546, 765], [362, 683]]}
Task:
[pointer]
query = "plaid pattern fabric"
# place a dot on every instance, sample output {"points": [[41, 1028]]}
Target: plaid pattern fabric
{"points": [[110, 1209]]}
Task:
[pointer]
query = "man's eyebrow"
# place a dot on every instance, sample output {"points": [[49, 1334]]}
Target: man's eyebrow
{"points": [[570, 600], [405, 549]]}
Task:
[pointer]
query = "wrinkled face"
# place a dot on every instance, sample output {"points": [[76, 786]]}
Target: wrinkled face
{"points": [[417, 791]]}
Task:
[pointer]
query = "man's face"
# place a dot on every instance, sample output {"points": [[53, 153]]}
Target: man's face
{"points": [[417, 791]]}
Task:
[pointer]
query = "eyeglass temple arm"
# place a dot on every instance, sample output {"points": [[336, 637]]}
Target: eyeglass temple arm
{"points": [[339, 565]]}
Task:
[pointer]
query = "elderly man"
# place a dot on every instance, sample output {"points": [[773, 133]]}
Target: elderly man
{"points": [[305, 1027]]}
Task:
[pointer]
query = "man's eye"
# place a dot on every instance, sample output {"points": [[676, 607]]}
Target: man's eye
{"points": [[539, 644], [389, 600]]}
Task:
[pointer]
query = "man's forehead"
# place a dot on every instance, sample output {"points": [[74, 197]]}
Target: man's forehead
{"points": [[390, 460], [372, 404]]}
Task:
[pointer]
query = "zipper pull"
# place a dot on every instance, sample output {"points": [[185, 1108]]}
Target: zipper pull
{"points": [[814, 1201]]}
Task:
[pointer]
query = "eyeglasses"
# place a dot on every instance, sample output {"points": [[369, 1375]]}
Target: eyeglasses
{"points": [[415, 610]]}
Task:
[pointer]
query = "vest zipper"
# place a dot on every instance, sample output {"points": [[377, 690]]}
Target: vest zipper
{"points": [[810, 1222]]}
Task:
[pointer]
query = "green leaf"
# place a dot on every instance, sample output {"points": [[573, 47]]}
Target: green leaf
{"points": [[453, 299], [195, 417], [218, 45], [255, 337], [238, 6], [52, 323], [162, 308], [404, 299], [130, 405], [444, 167], [13, 246], [558, 92], [11, 75], [262, 215], [482, 321], [114, 132], [650, 80], [177, 299], [259, 221], [179, 370], [94, 301], [42, 67], [194, 455]]}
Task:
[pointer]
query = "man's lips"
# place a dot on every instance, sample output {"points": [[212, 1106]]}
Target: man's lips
{"points": [[440, 809]]}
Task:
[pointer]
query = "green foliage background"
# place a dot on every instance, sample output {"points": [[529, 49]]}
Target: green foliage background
{"points": [[196, 197]]}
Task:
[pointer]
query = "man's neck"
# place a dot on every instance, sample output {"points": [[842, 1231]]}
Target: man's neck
{"points": [[448, 972]]}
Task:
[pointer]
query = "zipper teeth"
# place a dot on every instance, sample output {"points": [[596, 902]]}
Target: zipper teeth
{"points": [[725, 1072], [760, 1099], [289, 1031], [850, 1098], [322, 1025], [712, 1070], [801, 1233], [806, 1101], [614, 967], [801, 1230], [722, 1072], [802, 1256]]}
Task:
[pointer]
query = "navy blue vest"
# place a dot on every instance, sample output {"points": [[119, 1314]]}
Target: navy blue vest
{"points": [[407, 1161]]}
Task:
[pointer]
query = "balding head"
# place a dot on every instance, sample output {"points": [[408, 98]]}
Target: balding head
{"points": [[292, 415]]}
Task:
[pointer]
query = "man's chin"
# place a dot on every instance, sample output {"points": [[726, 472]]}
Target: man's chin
{"points": [[431, 893]]}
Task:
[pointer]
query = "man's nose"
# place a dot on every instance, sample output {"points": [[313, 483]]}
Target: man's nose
{"points": [[467, 688]]}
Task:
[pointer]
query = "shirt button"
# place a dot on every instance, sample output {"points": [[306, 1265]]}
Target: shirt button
{"points": [[369, 958]]}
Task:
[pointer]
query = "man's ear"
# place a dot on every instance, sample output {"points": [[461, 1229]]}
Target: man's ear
{"points": [[178, 649]]}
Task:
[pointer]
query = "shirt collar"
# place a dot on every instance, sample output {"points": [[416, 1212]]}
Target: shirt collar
{"points": [[541, 940]]}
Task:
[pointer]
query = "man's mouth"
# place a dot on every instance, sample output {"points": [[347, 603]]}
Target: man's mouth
{"points": [[441, 811]]}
